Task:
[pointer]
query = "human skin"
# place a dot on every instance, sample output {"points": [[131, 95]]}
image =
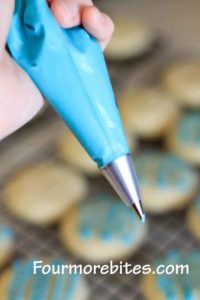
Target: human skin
{"points": [[20, 99]]}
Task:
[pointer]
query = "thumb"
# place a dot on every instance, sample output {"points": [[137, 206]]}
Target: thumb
{"points": [[6, 11]]}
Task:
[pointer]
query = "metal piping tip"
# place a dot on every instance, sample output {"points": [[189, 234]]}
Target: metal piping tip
{"points": [[120, 173], [139, 212]]}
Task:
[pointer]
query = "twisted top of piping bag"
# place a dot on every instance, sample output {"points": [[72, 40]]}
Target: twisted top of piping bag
{"points": [[68, 67]]}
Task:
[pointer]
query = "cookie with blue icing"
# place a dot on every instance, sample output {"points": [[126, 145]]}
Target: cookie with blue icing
{"points": [[102, 229], [193, 218], [167, 182], [20, 283], [174, 286], [181, 79], [7, 242], [184, 138], [41, 193]]}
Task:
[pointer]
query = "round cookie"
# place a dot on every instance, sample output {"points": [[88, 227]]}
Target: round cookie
{"points": [[173, 286], [131, 38], [6, 244], [167, 183], [41, 193], [20, 282], [148, 112], [184, 138], [102, 229], [71, 151], [182, 81], [193, 218]]}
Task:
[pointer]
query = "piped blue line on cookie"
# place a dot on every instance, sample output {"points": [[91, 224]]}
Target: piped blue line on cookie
{"points": [[106, 219], [188, 130], [163, 171], [40, 286], [181, 286], [6, 232]]}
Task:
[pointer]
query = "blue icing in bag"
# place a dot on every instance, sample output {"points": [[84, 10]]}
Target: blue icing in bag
{"points": [[68, 67]]}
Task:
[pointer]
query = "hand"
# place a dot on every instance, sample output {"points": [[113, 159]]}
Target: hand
{"points": [[20, 99]]}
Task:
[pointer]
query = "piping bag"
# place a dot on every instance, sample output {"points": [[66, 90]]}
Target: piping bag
{"points": [[69, 69]]}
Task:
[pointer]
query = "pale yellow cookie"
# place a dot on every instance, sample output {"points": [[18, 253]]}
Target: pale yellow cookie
{"points": [[20, 282], [193, 218], [41, 193], [182, 81], [150, 289], [184, 137], [173, 276], [131, 38], [73, 153], [102, 229], [6, 244], [167, 183], [147, 112]]}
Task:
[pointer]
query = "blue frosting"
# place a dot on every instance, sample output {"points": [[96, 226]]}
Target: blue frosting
{"points": [[5, 233], [20, 278], [163, 171], [179, 286], [68, 67], [107, 219], [39, 286], [188, 130]]}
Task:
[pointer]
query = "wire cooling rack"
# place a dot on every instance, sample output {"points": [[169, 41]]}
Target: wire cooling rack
{"points": [[35, 143], [166, 232]]}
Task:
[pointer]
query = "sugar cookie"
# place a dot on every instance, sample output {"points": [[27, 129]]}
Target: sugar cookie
{"points": [[167, 183], [148, 112], [193, 218], [131, 38], [102, 229], [182, 81], [184, 138], [175, 285], [42, 193], [20, 282], [6, 244], [71, 151]]}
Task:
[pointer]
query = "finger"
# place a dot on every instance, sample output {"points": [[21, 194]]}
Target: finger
{"points": [[67, 12], [6, 11], [98, 24], [70, 13]]}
